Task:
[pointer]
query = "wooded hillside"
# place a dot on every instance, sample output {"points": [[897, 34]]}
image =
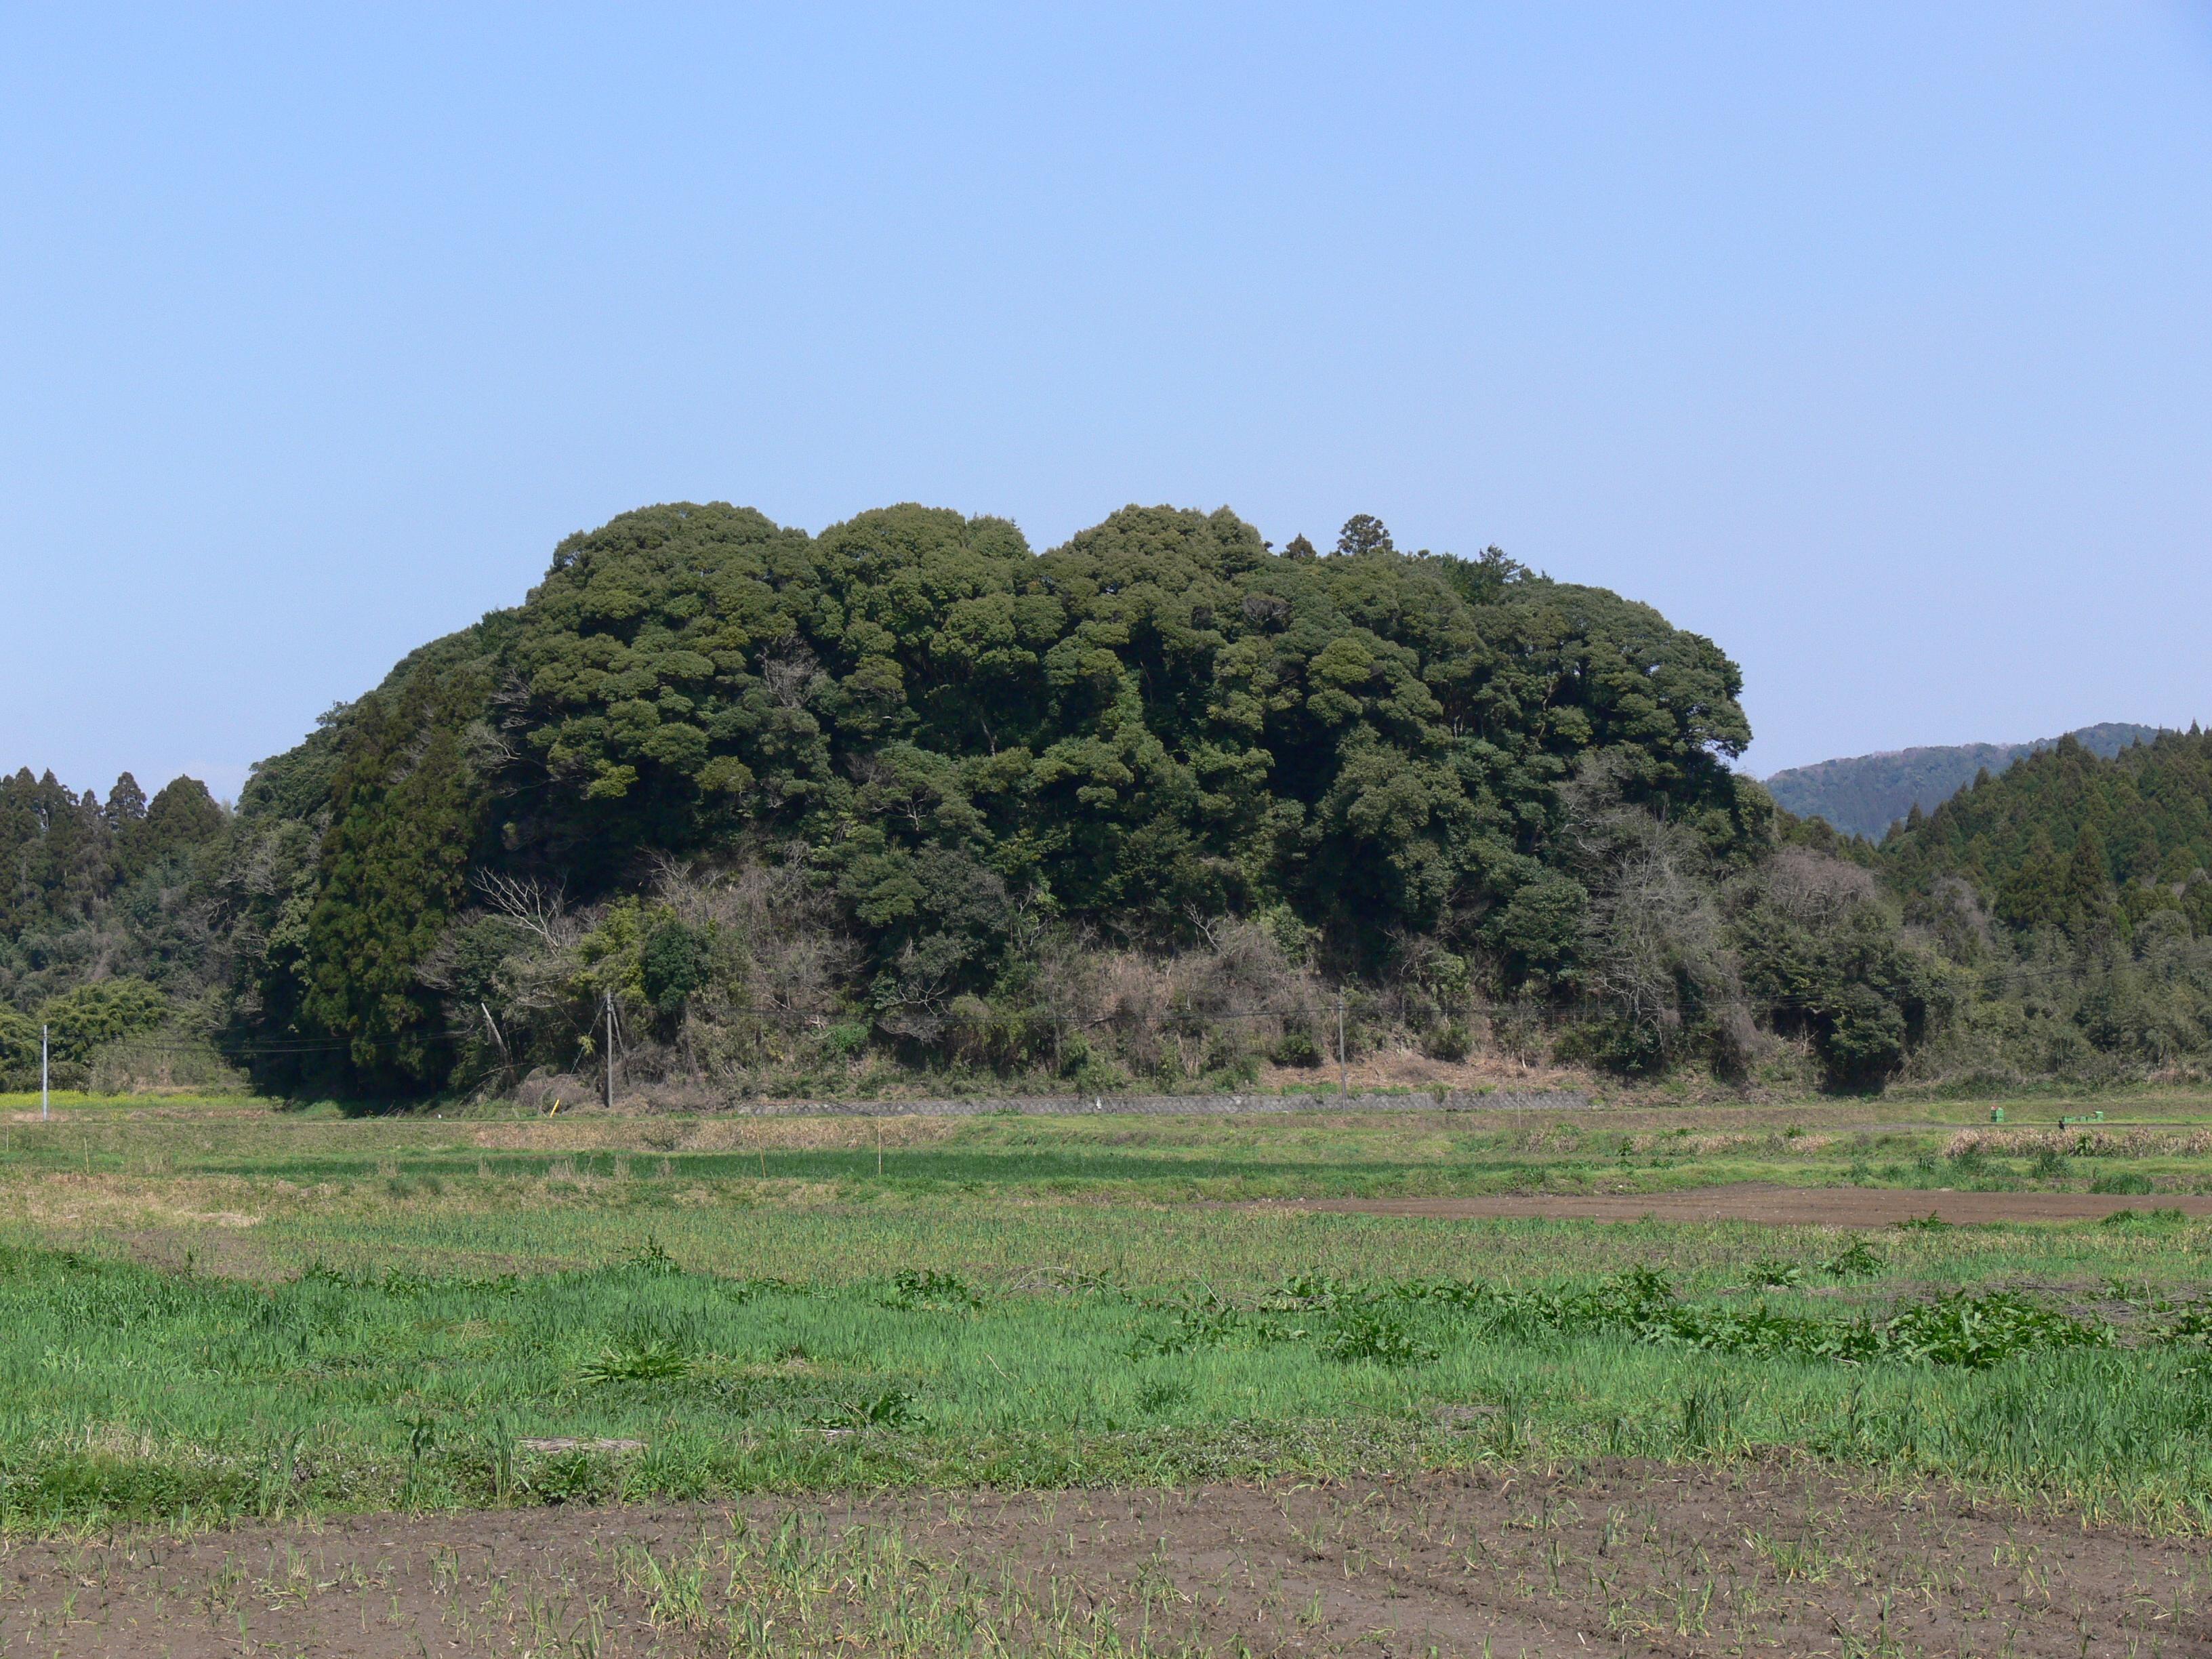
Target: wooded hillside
{"points": [[1866, 794], [783, 813]]}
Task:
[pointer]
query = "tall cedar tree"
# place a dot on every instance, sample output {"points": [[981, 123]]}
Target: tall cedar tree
{"points": [[405, 812]]}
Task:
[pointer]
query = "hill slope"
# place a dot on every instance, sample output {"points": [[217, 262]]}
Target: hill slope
{"points": [[2072, 838], [1867, 793]]}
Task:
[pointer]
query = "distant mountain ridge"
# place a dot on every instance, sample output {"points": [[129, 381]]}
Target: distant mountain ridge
{"points": [[1867, 793]]}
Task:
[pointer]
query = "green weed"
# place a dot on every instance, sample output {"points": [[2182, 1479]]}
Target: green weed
{"points": [[651, 1361], [652, 1257], [1858, 1259], [2164, 1216], [1372, 1335], [926, 1289]]}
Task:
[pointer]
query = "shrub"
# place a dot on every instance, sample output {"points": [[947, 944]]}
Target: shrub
{"points": [[1447, 1039], [1632, 1046], [102, 1011]]}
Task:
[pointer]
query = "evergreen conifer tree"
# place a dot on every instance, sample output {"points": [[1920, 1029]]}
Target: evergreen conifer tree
{"points": [[126, 803], [2085, 902], [406, 812]]}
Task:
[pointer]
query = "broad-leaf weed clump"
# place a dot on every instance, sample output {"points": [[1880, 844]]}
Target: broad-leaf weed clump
{"points": [[652, 1257], [1972, 1329], [1373, 1334], [1204, 1318], [654, 1360], [925, 1288], [892, 1408], [1858, 1259]]}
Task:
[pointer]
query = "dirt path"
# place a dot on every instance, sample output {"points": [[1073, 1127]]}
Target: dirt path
{"points": [[1624, 1558], [1759, 1201]]}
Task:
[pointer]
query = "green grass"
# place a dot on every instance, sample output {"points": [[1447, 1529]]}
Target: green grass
{"points": [[79, 1100], [1154, 1249], [139, 1395], [209, 1311], [1149, 1160]]}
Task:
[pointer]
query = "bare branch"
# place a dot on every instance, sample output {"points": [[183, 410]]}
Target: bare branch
{"points": [[527, 903], [1198, 919]]}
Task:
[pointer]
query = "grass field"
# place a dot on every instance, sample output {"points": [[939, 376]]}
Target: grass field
{"points": [[211, 1310]]}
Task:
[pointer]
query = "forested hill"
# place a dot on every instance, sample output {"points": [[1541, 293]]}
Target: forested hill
{"points": [[909, 803], [2067, 839], [1160, 723], [1867, 793]]}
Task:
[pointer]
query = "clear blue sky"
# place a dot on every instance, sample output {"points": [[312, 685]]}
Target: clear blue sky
{"points": [[1873, 340]]}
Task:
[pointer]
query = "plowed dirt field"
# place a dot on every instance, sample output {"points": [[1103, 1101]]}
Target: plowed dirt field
{"points": [[1622, 1557]]}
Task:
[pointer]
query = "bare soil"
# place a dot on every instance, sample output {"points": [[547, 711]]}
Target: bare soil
{"points": [[1770, 1202], [1626, 1557]]}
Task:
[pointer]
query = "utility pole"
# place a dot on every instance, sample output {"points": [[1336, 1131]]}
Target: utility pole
{"points": [[494, 1024], [1343, 1069], [44, 1111], [610, 1051]]}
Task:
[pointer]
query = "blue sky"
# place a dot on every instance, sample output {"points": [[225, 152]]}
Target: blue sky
{"points": [[1874, 341]]}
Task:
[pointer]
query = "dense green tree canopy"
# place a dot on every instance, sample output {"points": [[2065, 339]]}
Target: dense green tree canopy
{"points": [[1159, 719], [1158, 708]]}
